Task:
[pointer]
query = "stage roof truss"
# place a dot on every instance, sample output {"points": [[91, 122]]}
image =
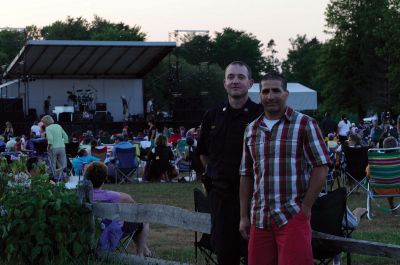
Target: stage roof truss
{"points": [[55, 59]]}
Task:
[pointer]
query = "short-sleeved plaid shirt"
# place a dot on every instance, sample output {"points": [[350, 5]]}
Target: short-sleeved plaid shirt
{"points": [[281, 159]]}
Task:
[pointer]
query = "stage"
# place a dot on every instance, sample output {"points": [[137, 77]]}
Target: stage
{"points": [[81, 73]]}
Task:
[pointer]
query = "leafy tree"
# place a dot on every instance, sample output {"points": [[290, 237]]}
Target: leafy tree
{"points": [[389, 32], [192, 81], [11, 42], [32, 32], [301, 64], [273, 63], [195, 49], [99, 29], [349, 64], [102, 29], [70, 29], [233, 45], [156, 84], [204, 80]]}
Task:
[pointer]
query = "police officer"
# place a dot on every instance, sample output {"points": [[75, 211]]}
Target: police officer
{"points": [[220, 149]]}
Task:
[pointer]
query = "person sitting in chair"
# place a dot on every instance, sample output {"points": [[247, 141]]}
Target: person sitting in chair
{"points": [[160, 168], [353, 140], [83, 159], [96, 172], [389, 142], [332, 144], [120, 143]]}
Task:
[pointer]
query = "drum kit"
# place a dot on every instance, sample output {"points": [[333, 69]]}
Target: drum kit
{"points": [[83, 100]]}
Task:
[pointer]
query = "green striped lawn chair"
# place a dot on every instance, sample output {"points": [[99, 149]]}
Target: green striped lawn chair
{"points": [[384, 165]]}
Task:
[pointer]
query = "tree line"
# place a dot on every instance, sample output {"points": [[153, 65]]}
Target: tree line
{"points": [[355, 71]]}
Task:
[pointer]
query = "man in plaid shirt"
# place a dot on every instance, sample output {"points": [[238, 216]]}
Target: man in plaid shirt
{"points": [[283, 169]]}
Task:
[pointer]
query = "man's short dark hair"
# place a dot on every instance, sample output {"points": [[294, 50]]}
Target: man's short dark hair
{"points": [[241, 63], [275, 76]]}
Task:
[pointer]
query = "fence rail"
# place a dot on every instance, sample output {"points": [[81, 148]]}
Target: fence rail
{"points": [[200, 222]]}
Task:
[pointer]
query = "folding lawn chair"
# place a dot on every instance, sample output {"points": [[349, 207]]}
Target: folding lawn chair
{"points": [[203, 245], [384, 179], [356, 160], [328, 213], [181, 148], [331, 176], [185, 166], [201, 205], [127, 164], [115, 236]]}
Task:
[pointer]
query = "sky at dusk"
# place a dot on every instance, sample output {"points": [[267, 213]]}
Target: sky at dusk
{"points": [[266, 19]]}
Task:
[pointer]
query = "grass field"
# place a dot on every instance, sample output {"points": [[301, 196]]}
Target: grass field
{"points": [[176, 244]]}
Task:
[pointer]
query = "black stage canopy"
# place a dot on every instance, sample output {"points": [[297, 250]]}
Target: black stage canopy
{"points": [[63, 59]]}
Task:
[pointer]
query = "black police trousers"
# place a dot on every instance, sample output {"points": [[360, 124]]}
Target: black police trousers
{"points": [[226, 240]]}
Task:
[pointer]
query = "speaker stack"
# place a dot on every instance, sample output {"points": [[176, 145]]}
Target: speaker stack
{"points": [[100, 114], [11, 110]]}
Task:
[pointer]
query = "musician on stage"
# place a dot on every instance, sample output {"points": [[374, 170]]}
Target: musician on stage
{"points": [[150, 115], [125, 109], [46, 105]]}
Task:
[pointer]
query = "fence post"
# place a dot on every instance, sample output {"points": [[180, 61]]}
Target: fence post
{"points": [[85, 196]]}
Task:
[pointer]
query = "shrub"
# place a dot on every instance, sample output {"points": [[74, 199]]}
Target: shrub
{"points": [[43, 224]]}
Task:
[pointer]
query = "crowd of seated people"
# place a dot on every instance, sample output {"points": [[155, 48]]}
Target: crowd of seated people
{"points": [[95, 143], [362, 136]]}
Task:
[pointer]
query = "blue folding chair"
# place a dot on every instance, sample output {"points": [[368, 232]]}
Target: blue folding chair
{"points": [[127, 164]]}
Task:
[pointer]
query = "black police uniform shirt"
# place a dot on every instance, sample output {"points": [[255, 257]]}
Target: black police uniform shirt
{"points": [[221, 139]]}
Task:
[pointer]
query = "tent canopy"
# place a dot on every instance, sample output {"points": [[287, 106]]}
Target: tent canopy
{"points": [[50, 59], [300, 96]]}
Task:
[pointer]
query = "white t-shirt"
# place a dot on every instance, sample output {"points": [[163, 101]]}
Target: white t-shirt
{"points": [[35, 129], [269, 123], [344, 128]]}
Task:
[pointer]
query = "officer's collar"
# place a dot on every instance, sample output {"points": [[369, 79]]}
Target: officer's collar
{"points": [[245, 108]]}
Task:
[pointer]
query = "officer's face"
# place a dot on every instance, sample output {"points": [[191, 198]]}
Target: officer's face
{"points": [[273, 97], [236, 82]]}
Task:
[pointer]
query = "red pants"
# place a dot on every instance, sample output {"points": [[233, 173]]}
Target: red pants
{"points": [[288, 245]]}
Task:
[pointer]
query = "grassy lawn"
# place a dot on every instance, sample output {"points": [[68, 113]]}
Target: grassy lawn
{"points": [[176, 244]]}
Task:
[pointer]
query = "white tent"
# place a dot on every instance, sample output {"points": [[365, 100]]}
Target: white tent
{"points": [[300, 97]]}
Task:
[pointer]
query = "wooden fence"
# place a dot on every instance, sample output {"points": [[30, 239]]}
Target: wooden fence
{"points": [[200, 222]]}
